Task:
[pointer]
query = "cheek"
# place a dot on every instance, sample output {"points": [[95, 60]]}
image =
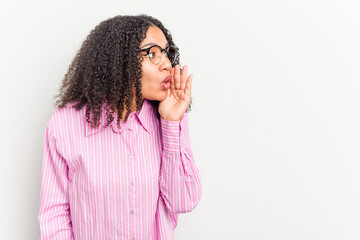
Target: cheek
{"points": [[149, 87], [149, 78], [147, 69]]}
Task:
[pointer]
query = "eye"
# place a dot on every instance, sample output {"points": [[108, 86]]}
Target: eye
{"points": [[151, 54]]}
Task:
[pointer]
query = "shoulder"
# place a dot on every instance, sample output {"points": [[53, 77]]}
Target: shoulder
{"points": [[66, 119]]}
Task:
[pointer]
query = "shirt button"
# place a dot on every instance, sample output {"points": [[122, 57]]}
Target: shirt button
{"points": [[129, 156], [132, 212], [132, 183], [133, 238]]}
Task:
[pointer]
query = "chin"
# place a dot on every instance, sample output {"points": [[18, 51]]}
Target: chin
{"points": [[163, 96], [158, 97]]}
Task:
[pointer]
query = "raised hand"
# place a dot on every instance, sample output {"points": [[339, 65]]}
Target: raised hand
{"points": [[173, 107]]}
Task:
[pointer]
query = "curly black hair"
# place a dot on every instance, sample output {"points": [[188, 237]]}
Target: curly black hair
{"points": [[107, 66]]}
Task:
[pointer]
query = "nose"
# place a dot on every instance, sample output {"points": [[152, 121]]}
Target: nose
{"points": [[165, 64]]}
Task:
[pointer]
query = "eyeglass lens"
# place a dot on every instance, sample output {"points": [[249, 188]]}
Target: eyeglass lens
{"points": [[155, 54]]}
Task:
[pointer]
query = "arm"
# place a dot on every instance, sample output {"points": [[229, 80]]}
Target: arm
{"points": [[54, 213], [180, 185]]}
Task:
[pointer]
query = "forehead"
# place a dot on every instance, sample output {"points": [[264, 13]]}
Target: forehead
{"points": [[154, 36]]}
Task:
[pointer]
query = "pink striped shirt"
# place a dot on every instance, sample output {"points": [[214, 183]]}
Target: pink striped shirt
{"points": [[116, 183]]}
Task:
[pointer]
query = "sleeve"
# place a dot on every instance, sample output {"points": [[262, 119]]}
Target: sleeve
{"points": [[180, 185], [54, 213]]}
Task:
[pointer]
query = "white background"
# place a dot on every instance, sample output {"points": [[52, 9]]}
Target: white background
{"points": [[274, 124]]}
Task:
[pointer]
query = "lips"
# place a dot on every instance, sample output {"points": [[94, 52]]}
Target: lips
{"points": [[167, 79]]}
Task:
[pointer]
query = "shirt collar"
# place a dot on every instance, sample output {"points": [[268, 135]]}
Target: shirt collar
{"points": [[144, 116]]}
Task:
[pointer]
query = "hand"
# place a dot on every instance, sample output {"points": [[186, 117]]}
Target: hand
{"points": [[173, 107]]}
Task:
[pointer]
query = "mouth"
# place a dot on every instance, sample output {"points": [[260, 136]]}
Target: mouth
{"points": [[167, 82], [167, 79]]}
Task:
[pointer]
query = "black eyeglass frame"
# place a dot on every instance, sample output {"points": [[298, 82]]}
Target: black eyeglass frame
{"points": [[166, 50]]}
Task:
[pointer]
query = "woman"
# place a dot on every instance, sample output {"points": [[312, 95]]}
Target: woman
{"points": [[117, 158]]}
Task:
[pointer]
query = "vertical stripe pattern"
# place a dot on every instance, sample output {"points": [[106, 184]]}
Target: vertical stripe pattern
{"points": [[120, 182]]}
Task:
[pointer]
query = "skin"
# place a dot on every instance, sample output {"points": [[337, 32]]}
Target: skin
{"points": [[173, 101]]}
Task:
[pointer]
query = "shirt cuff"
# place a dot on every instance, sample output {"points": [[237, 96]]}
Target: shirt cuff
{"points": [[170, 135]]}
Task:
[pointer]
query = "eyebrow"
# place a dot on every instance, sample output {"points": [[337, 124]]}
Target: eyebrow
{"points": [[151, 44]]}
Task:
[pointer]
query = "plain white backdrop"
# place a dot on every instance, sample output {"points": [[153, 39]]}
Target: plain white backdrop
{"points": [[275, 121]]}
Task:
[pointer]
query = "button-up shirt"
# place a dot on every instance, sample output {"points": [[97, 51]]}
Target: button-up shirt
{"points": [[117, 182]]}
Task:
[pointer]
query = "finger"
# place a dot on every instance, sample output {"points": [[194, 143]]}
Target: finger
{"points": [[188, 85], [172, 85], [183, 96], [183, 77], [177, 77]]}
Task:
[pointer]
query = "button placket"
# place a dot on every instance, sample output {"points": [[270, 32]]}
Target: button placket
{"points": [[131, 162]]}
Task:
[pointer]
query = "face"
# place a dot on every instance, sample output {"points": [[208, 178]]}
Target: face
{"points": [[153, 75]]}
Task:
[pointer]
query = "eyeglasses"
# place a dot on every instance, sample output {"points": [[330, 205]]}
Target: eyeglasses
{"points": [[155, 53]]}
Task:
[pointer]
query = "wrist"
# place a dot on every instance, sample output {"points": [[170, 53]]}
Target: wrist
{"points": [[170, 119]]}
